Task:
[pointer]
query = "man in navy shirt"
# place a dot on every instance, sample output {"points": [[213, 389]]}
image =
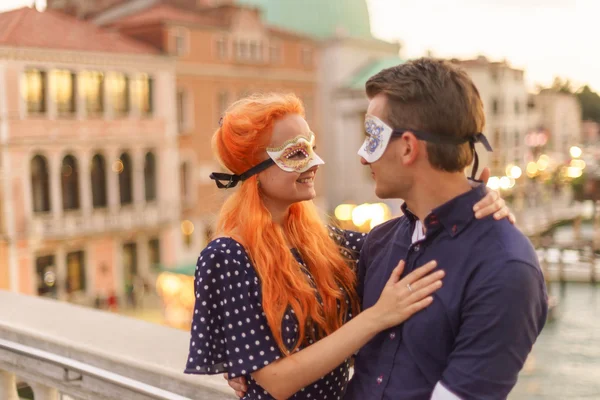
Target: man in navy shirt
{"points": [[423, 120]]}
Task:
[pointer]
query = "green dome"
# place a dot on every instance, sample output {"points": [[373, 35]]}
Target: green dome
{"points": [[321, 19]]}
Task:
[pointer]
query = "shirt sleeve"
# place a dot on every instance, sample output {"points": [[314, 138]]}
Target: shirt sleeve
{"points": [[229, 331], [503, 314], [351, 241]]}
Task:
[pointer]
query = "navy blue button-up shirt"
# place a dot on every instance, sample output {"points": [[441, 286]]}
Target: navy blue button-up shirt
{"points": [[475, 336]]}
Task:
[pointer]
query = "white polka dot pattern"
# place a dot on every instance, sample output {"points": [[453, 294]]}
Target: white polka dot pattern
{"points": [[229, 330]]}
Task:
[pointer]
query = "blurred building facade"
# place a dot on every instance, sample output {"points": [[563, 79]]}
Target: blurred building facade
{"points": [[348, 56], [88, 136], [504, 95], [222, 53], [557, 115]]}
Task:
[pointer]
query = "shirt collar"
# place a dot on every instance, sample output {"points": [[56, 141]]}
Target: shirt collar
{"points": [[411, 217], [453, 215], [457, 213]]}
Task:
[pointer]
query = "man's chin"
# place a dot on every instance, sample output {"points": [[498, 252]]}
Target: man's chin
{"points": [[381, 193]]}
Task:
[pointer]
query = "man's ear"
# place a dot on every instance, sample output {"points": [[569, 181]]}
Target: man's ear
{"points": [[411, 148]]}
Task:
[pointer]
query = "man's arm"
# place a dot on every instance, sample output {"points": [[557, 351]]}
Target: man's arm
{"points": [[502, 316]]}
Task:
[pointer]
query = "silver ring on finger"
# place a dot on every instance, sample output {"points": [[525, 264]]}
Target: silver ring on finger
{"points": [[410, 289]]}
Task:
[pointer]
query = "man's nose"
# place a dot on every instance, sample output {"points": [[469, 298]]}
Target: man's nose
{"points": [[363, 161]]}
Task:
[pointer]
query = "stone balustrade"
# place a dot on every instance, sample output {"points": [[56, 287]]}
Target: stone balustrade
{"points": [[64, 351]]}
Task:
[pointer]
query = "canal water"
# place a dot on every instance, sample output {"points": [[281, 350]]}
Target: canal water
{"points": [[565, 361]]}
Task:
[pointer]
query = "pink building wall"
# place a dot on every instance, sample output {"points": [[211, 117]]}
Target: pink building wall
{"points": [[98, 233]]}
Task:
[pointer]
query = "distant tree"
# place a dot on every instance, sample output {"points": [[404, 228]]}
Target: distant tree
{"points": [[590, 103], [562, 85]]}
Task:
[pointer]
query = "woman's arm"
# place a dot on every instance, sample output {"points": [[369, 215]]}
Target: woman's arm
{"points": [[397, 303]]}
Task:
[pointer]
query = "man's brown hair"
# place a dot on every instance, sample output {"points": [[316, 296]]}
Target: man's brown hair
{"points": [[434, 96]]}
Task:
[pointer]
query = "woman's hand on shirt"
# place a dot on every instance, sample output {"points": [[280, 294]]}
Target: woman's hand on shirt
{"points": [[492, 203], [401, 298]]}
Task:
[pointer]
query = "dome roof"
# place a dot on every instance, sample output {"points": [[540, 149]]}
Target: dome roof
{"points": [[321, 19]]}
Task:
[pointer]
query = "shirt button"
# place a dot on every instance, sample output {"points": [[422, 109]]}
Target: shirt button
{"points": [[392, 335], [380, 379], [416, 248]]}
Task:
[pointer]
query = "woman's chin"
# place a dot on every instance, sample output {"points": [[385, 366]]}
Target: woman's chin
{"points": [[306, 195]]}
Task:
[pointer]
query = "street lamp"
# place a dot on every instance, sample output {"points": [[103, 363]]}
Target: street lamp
{"points": [[494, 183], [515, 172], [575, 151], [543, 162], [343, 212], [504, 183], [532, 169]]}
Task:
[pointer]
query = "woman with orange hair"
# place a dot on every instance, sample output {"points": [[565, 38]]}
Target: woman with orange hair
{"points": [[275, 292]]}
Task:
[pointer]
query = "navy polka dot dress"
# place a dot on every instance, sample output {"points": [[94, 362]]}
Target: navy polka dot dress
{"points": [[229, 330]]}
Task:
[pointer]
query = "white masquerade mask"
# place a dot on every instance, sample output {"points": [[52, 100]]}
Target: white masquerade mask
{"points": [[379, 134], [378, 137], [295, 155]]}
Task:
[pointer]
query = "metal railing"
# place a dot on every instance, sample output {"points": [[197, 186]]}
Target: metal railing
{"points": [[72, 366]]}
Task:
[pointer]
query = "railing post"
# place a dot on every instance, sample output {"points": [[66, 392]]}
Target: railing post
{"points": [[8, 386], [561, 267], [42, 392]]}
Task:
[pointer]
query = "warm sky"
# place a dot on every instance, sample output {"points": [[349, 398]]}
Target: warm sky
{"points": [[545, 37]]}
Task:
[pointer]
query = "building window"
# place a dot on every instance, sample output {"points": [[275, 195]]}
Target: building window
{"points": [[180, 41], [517, 107], [63, 91], [150, 176], [118, 91], [184, 114], [46, 276], [184, 176], [306, 57], [275, 53], [256, 51], [180, 110], [496, 139], [222, 104], [125, 171], [75, 272], [221, 48], [495, 107], [98, 175], [130, 269], [92, 87], [154, 253], [40, 184], [517, 139], [241, 49], [33, 90], [70, 183], [141, 93]]}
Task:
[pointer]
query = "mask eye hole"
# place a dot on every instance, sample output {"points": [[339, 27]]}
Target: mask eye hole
{"points": [[297, 155], [297, 152]]}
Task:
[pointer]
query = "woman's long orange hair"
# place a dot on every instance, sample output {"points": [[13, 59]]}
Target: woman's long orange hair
{"points": [[240, 143]]}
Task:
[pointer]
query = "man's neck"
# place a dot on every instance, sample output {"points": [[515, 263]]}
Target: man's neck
{"points": [[434, 190]]}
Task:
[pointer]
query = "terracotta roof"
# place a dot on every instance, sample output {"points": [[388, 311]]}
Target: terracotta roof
{"points": [[27, 27], [284, 33], [166, 13]]}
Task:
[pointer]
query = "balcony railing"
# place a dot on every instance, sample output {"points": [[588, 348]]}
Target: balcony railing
{"points": [[101, 221], [61, 349]]}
